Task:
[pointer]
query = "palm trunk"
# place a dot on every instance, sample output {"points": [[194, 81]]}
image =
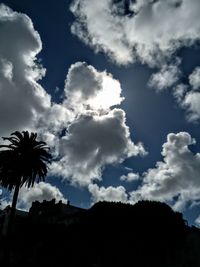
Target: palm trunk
{"points": [[7, 244], [15, 196], [13, 209]]}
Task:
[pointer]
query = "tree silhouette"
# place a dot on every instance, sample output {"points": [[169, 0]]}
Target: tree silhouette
{"points": [[22, 162]]}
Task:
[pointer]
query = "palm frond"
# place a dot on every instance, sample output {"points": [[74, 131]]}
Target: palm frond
{"points": [[24, 161]]}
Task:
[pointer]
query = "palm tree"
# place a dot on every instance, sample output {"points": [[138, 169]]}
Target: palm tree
{"points": [[22, 162]]}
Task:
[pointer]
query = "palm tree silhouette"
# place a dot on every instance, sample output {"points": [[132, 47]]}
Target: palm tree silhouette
{"points": [[22, 162]]}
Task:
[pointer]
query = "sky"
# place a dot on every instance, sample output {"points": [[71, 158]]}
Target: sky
{"points": [[113, 87]]}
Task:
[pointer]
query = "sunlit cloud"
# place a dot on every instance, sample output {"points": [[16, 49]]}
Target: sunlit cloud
{"points": [[84, 131], [109, 95], [176, 176], [89, 89]]}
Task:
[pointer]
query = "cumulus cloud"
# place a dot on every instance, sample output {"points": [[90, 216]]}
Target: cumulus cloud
{"points": [[174, 180], [85, 131], [54, 119], [24, 103], [22, 99], [92, 141], [86, 88], [117, 194], [167, 76], [82, 82], [176, 177], [149, 31], [97, 133], [130, 177], [41, 191]]}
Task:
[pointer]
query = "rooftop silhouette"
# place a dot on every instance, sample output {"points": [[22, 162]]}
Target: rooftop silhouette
{"points": [[108, 234]]}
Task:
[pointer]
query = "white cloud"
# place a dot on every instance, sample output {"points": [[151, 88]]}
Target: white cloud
{"points": [[94, 135], [167, 76], [86, 88], [83, 82], [55, 119], [117, 194], [92, 141], [194, 78], [41, 191], [176, 176], [22, 99], [151, 33], [130, 177]]}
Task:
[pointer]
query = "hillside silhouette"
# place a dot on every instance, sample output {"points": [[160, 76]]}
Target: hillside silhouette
{"points": [[108, 234]]}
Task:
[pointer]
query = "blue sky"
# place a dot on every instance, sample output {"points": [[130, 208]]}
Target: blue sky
{"points": [[153, 56]]}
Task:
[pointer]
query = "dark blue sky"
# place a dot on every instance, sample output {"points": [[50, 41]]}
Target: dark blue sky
{"points": [[150, 115]]}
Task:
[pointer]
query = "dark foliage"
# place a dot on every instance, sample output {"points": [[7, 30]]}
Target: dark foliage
{"points": [[23, 160]]}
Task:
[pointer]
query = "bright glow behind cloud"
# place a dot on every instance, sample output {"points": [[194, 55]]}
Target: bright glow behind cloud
{"points": [[109, 95], [88, 89]]}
